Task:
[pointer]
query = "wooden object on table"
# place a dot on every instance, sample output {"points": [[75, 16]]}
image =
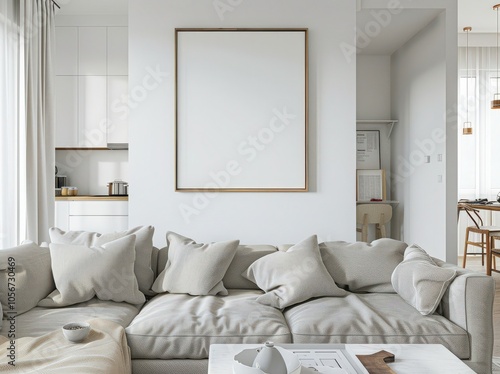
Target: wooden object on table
{"points": [[376, 363]]}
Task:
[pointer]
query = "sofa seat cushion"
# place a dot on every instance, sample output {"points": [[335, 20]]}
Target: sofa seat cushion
{"points": [[39, 320], [181, 326], [372, 319]]}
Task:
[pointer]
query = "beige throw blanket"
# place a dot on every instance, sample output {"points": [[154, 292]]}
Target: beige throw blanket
{"points": [[105, 350]]}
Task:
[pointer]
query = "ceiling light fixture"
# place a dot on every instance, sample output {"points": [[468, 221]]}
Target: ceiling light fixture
{"points": [[495, 103], [467, 129]]}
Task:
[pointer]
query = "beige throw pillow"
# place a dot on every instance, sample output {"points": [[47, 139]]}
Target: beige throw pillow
{"points": [[420, 282], [195, 268], [143, 248], [363, 267], [81, 272], [293, 276], [27, 268]]}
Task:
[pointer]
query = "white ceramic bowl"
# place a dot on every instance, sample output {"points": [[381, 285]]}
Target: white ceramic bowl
{"points": [[76, 331]]}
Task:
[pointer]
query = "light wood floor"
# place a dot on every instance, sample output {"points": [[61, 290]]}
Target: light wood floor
{"points": [[474, 263]]}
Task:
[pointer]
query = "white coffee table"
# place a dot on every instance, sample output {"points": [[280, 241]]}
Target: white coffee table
{"points": [[410, 358]]}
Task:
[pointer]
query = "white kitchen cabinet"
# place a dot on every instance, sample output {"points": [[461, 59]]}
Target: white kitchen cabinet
{"points": [[117, 45], [117, 130], [66, 88], [91, 86], [92, 113], [66, 51], [92, 50], [99, 216]]}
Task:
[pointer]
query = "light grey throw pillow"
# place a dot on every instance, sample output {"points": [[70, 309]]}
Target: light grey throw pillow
{"points": [[143, 248], [420, 282], [195, 268], [363, 267], [245, 256], [293, 276], [81, 272], [27, 268]]}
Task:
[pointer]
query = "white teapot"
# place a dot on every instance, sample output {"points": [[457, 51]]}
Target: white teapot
{"points": [[270, 360], [266, 360]]}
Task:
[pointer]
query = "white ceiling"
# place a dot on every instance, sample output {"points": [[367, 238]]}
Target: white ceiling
{"points": [[393, 35], [478, 14], [92, 7]]}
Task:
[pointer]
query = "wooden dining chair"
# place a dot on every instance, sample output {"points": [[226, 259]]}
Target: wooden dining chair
{"points": [[488, 234], [378, 214]]}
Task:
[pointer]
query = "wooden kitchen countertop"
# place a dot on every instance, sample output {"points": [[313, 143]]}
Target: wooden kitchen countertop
{"points": [[91, 198]]}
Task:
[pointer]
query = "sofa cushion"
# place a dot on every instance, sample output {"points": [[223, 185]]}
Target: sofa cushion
{"points": [[143, 247], [39, 320], [81, 272], [363, 267], [244, 257], [372, 318], [293, 276], [31, 276], [195, 268], [182, 326], [420, 282]]}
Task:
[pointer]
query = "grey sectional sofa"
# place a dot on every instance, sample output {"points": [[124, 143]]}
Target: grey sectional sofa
{"points": [[172, 333]]}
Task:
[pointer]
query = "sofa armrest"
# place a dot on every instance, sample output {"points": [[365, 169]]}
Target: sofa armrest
{"points": [[468, 302]]}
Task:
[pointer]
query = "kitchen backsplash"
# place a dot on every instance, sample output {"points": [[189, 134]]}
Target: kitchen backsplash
{"points": [[91, 170]]}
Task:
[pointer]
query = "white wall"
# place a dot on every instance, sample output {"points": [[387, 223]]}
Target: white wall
{"points": [[477, 39], [421, 90], [373, 87], [328, 209], [373, 102]]}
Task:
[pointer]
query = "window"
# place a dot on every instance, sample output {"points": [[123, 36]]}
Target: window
{"points": [[478, 155]]}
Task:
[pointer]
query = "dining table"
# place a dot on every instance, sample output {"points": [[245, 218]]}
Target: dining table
{"points": [[490, 206]]}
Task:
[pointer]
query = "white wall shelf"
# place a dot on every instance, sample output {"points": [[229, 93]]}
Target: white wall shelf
{"points": [[388, 122]]}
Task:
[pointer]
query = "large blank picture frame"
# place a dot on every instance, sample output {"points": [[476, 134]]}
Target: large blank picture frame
{"points": [[241, 110]]}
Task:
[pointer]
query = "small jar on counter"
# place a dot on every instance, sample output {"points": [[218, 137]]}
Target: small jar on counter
{"points": [[64, 191], [73, 191]]}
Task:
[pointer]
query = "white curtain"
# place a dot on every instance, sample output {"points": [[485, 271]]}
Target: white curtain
{"points": [[9, 126], [39, 41], [27, 133], [479, 157]]}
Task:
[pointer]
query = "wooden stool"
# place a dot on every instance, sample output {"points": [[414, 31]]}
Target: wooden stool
{"points": [[378, 214]]}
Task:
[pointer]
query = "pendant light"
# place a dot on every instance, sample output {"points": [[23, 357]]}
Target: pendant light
{"points": [[467, 129], [495, 103]]}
